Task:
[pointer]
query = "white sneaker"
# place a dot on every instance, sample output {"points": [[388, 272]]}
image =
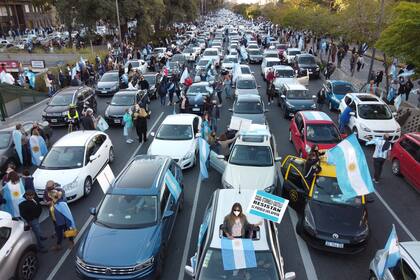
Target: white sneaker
{"points": [[128, 141]]}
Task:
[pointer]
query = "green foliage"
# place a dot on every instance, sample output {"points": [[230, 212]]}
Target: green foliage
{"points": [[401, 37]]}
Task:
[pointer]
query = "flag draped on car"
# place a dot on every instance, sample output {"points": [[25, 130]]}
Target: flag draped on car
{"points": [[392, 254], [173, 185], [351, 167], [204, 149], [238, 253]]}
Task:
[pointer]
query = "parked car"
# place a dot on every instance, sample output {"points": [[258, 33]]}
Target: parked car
{"points": [[255, 56], [196, 94], [295, 97], [207, 261], [249, 107], [333, 92], [370, 117], [177, 137], [138, 64], [326, 221], [57, 108], [305, 64], [246, 84], [229, 61], [108, 84], [308, 128], [131, 229], [122, 100], [405, 157], [74, 161], [18, 249]]}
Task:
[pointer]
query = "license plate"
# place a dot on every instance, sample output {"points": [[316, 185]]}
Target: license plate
{"points": [[104, 91], [196, 109], [54, 120], [334, 244], [310, 72], [117, 121]]}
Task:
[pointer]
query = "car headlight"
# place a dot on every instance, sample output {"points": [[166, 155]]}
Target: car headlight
{"points": [[289, 105], [70, 186], [147, 263], [364, 128], [309, 223], [226, 185], [270, 189], [113, 87], [187, 155], [313, 106], [64, 113]]}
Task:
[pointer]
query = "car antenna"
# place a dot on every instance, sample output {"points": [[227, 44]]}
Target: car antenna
{"points": [[239, 189]]}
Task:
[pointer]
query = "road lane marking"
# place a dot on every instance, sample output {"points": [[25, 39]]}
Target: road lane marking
{"points": [[89, 220], [303, 249], [393, 214], [190, 228]]}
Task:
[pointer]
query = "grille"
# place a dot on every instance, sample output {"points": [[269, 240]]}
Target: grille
{"points": [[111, 270]]}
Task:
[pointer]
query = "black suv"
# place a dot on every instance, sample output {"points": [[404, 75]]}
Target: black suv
{"points": [[306, 62]]}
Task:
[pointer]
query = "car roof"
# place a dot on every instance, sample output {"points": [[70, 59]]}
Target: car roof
{"points": [[305, 54], [315, 116], [246, 77], [76, 138], [272, 59], [230, 56], [150, 74], [111, 72], [127, 92], [226, 198], [179, 119], [141, 176], [249, 97], [69, 90], [293, 49], [295, 86], [366, 98], [200, 84], [281, 67], [413, 250], [339, 82]]}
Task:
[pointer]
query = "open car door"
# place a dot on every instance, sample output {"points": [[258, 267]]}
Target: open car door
{"points": [[217, 162]]}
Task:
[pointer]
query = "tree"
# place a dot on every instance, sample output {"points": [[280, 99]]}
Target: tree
{"points": [[400, 38]]}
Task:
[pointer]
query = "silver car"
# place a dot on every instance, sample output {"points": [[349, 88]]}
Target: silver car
{"points": [[18, 253], [246, 84], [251, 107]]}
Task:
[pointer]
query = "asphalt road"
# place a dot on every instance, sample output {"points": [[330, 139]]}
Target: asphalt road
{"points": [[394, 203]]}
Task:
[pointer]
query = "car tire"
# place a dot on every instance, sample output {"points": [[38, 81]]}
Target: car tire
{"points": [[28, 266], [87, 186], [396, 167], [111, 155], [290, 136]]}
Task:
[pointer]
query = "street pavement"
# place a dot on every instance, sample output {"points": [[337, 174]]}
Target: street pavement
{"points": [[395, 202]]}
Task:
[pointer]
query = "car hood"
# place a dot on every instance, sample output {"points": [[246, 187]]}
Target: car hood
{"points": [[308, 66], [56, 109], [301, 103], [280, 81], [175, 149], [62, 176], [388, 125], [99, 247], [106, 84], [247, 91], [113, 110], [333, 218], [249, 177], [255, 118], [256, 55]]}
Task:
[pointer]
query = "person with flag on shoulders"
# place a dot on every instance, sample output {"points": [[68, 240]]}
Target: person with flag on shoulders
{"points": [[236, 225], [382, 148], [38, 147], [17, 136], [13, 194]]}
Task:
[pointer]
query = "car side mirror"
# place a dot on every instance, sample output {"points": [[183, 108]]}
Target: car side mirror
{"points": [[198, 134], [283, 96], [289, 276], [108, 102], [259, 86], [92, 211], [343, 135], [189, 270], [152, 134], [352, 114], [394, 114], [168, 213], [230, 109], [93, 157], [221, 157], [277, 159], [313, 96], [41, 158]]}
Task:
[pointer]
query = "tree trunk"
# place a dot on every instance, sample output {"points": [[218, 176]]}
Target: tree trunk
{"points": [[386, 67], [70, 38]]}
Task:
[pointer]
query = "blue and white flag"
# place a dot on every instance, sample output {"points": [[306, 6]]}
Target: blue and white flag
{"points": [[184, 75], [236, 71], [316, 115], [351, 167], [17, 141], [203, 228], [64, 209], [392, 255], [204, 149], [238, 253], [173, 185], [244, 53]]}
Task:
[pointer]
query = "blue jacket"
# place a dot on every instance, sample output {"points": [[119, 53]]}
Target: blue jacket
{"points": [[345, 116]]}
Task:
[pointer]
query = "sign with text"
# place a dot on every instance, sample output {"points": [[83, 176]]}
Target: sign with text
{"points": [[106, 178], [38, 64], [268, 206], [237, 123]]}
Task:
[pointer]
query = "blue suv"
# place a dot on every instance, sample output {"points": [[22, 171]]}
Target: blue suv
{"points": [[132, 226]]}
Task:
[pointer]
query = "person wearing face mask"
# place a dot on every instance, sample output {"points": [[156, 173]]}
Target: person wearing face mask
{"points": [[236, 225]]}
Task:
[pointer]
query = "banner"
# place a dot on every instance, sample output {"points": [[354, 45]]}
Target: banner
{"points": [[238, 253], [105, 178], [268, 206]]}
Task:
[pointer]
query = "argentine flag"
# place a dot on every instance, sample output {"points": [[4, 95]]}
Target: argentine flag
{"points": [[238, 253], [184, 76], [204, 149], [173, 185], [351, 167], [392, 254]]}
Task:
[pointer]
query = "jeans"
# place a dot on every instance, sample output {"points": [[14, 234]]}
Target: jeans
{"points": [[378, 163], [162, 100], [36, 228]]}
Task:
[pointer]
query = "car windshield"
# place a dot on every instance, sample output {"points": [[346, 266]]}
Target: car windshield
{"points": [[298, 94], [374, 112], [210, 53], [251, 155], [127, 211], [246, 84], [212, 267], [271, 55], [188, 50], [245, 70], [197, 89], [322, 133], [134, 64], [307, 60], [61, 100], [342, 89], [282, 46], [293, 52], [250, 107], [326, 189], [288, 73], [110, 77], [203, 62], [4, 139], [254, 52], [123, 100], [175, 132], [231, 59], [272, 63], [151, 80], [63, 158]]}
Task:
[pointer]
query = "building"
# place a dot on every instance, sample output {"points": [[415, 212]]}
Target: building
{"points": [[21, 14]]}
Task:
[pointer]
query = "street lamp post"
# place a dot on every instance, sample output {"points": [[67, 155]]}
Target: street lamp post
{"points": [[118, 21]]}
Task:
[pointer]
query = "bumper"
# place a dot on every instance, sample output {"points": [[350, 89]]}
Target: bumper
{"points": [[112, 120], [105, 92], [71, 195], [312, 73], [55, 120], [318, 242], [366, 136], [199, 109], [186, 163]]}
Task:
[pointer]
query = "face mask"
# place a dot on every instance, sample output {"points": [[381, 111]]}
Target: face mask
{"points": [[236, 213]]}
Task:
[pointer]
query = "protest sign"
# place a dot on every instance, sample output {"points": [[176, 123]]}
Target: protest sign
{"points": [[268, 206]]}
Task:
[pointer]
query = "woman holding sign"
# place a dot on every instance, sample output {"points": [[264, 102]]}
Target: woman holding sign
{"points": [[236, 225]]}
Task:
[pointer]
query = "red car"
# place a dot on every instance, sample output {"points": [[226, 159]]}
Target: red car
{"points": [[405, 157], [313, 127]]}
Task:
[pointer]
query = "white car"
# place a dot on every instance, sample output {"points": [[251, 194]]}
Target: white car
{"points": [[243, 70], [229, 61], [251, 163], [74, 162], [177, 138], [290, 54], [270, 53], [267, 63], [279, 82], [212, 53], [408, 267], [370, 117], [246, 84], [138, 64]]}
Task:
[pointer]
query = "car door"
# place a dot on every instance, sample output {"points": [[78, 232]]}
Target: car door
{"points": [[409, 161], [166, 214], [217, 163], [92, 166], [294, 188]]}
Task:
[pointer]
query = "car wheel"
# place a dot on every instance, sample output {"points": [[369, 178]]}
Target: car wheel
{"points": [[111, 156], [290, 136], [87, 186], [330, 107], [396, 167], [27, 266]]}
